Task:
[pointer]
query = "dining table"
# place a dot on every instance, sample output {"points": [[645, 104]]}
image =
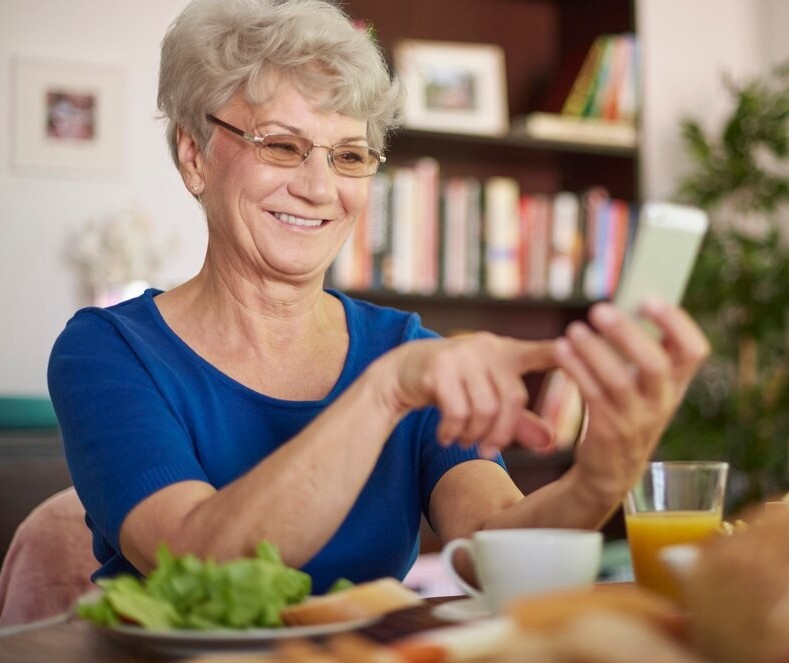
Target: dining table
{"points": [[68, 639]]}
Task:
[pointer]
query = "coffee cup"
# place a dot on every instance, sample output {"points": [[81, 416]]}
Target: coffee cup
{"points": [[519, 562]]}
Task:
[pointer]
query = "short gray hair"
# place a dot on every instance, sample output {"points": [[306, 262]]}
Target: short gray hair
{"points": [[216, 48]]}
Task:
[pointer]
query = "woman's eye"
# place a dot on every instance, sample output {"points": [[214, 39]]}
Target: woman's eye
{"points": [[284, 146], [350, 156]]}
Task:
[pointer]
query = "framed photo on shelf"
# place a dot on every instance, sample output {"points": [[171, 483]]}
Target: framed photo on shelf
{"points": [[453, 87], [68, 117]]}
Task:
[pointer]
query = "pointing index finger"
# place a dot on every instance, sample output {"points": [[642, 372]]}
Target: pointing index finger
{"points": [[532, 356]]}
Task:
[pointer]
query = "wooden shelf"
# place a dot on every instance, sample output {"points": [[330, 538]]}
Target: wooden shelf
{"points": [[512, 141], [519, 318]]}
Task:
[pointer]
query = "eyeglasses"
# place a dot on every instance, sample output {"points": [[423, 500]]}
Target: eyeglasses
{"points": [[290, 151]]}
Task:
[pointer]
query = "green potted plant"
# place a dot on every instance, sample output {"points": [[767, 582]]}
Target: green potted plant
{"points": [[738, 407]]}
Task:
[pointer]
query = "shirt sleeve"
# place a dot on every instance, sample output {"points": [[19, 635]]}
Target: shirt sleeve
{"points": [[122, 440]]}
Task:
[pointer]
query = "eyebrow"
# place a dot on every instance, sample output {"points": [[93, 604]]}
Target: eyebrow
{"points": [[299, 132]]}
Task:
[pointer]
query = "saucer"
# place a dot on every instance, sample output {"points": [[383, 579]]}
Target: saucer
{"points": [[462, 610]]}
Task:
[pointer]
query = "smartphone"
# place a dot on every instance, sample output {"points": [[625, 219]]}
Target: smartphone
{"points": [[664, 250], [659, 264]]}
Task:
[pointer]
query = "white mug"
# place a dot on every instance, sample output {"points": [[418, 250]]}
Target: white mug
{"points": [[517, 562]]}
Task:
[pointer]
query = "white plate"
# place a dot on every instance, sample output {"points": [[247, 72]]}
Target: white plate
{"points": [[189, 642], [462, 610]]}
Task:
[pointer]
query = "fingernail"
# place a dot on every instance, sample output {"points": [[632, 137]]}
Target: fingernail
{"points": [[604, 315], [577, 330], [653, 305], [562, 347]]}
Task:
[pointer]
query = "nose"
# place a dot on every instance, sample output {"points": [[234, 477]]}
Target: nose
{"points": [[328, 154], [315, 179]]}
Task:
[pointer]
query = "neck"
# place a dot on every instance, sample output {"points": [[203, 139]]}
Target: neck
{"points": [[261, 313]]}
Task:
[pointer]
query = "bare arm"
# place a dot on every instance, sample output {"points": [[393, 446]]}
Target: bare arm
{"points": [[298, 496], [632, 385]]}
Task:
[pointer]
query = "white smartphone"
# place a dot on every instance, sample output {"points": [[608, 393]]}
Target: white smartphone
{"points": [[664, 250], [667, 241]]}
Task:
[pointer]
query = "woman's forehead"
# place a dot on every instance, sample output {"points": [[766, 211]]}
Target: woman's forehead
{"points": [[284, 101]]}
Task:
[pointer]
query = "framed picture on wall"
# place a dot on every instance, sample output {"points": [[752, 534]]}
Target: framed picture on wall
{"points": [[453, 87], [67, 117]]}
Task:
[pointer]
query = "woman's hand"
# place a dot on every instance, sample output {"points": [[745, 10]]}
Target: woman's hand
{"points": [[632, 384], [476, 382]]}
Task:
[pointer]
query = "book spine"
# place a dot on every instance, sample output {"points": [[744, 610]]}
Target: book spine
{"points": [[501, 236], [475, 237], [539, 245], [584, 82], [564, 237], [379, 215], [404, 212]]}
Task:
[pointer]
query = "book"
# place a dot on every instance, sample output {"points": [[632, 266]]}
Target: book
{"points": [[629, 92], [502, 227], [453, 236], [617, 79], [584, 82], [404, 230], [475, 237], [594, 101], [592, 201], [425, 240], [606, 85], [537, 222], [563, 260], [582, 130], [379, 235]]}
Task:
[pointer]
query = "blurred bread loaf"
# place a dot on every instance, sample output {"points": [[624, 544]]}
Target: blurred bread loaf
{"points": [[737, 595], [552, 611], [369, 599]]}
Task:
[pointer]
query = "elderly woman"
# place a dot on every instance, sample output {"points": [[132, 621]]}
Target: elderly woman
{"points": [[250, 403]]}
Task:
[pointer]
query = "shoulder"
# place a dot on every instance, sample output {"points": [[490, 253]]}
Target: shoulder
{"points": [[94, 320], [385, 322], [95, 330]]}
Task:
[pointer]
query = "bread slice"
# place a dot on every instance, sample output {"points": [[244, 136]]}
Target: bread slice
{"points": [[552, 611], [369, 599]]}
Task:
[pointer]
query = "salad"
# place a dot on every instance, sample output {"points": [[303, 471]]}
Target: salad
{"points": [[188, 593]]}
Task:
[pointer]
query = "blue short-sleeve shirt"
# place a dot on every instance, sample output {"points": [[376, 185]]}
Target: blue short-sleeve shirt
{"points": [[140, 410]]}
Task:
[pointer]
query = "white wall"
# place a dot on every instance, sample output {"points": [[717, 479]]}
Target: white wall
{"points": [[687, 43], [39, 290]]}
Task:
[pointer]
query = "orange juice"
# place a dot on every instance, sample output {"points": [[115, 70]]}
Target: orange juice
{"points": [[648, 532]]}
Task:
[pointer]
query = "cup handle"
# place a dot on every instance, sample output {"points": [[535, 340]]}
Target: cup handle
{"points": [[446, 556]]}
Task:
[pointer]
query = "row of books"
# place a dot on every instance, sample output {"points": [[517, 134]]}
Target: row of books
{"points": [[603, 102], [607, 84], [424, 234]]}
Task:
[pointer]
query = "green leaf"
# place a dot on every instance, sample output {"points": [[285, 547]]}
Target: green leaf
{"points": [[187, 592]]}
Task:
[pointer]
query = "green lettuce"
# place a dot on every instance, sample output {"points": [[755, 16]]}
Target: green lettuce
{"points": [[188, 593]]}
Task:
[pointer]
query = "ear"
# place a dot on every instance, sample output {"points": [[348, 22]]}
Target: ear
{"points": [[190, 161]]}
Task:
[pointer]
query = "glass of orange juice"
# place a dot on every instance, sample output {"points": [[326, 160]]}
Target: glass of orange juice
{"points": [[674, 502]]}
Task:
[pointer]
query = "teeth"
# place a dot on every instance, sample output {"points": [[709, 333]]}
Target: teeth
{"points": [[297, 221]]}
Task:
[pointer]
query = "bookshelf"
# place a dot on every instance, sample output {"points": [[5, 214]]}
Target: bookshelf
{"points": [[544, 43]]}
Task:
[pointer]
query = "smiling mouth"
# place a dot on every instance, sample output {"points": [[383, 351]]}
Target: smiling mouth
{"points": [[297, 220]]}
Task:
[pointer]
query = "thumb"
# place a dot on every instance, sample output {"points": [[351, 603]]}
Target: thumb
{"points": [[533, 432]]}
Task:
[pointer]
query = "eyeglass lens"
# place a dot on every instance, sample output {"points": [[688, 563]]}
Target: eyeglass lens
{"points": [[290, 151]]}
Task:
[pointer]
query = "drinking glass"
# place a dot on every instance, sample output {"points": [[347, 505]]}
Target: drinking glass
{"points": [[678, 502]]}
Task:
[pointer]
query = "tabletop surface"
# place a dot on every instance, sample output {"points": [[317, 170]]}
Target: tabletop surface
{"points": [[76, 641]]}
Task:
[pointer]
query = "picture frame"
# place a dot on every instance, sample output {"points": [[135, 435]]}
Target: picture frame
{"points": [[453, 87], [68, 117]]}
